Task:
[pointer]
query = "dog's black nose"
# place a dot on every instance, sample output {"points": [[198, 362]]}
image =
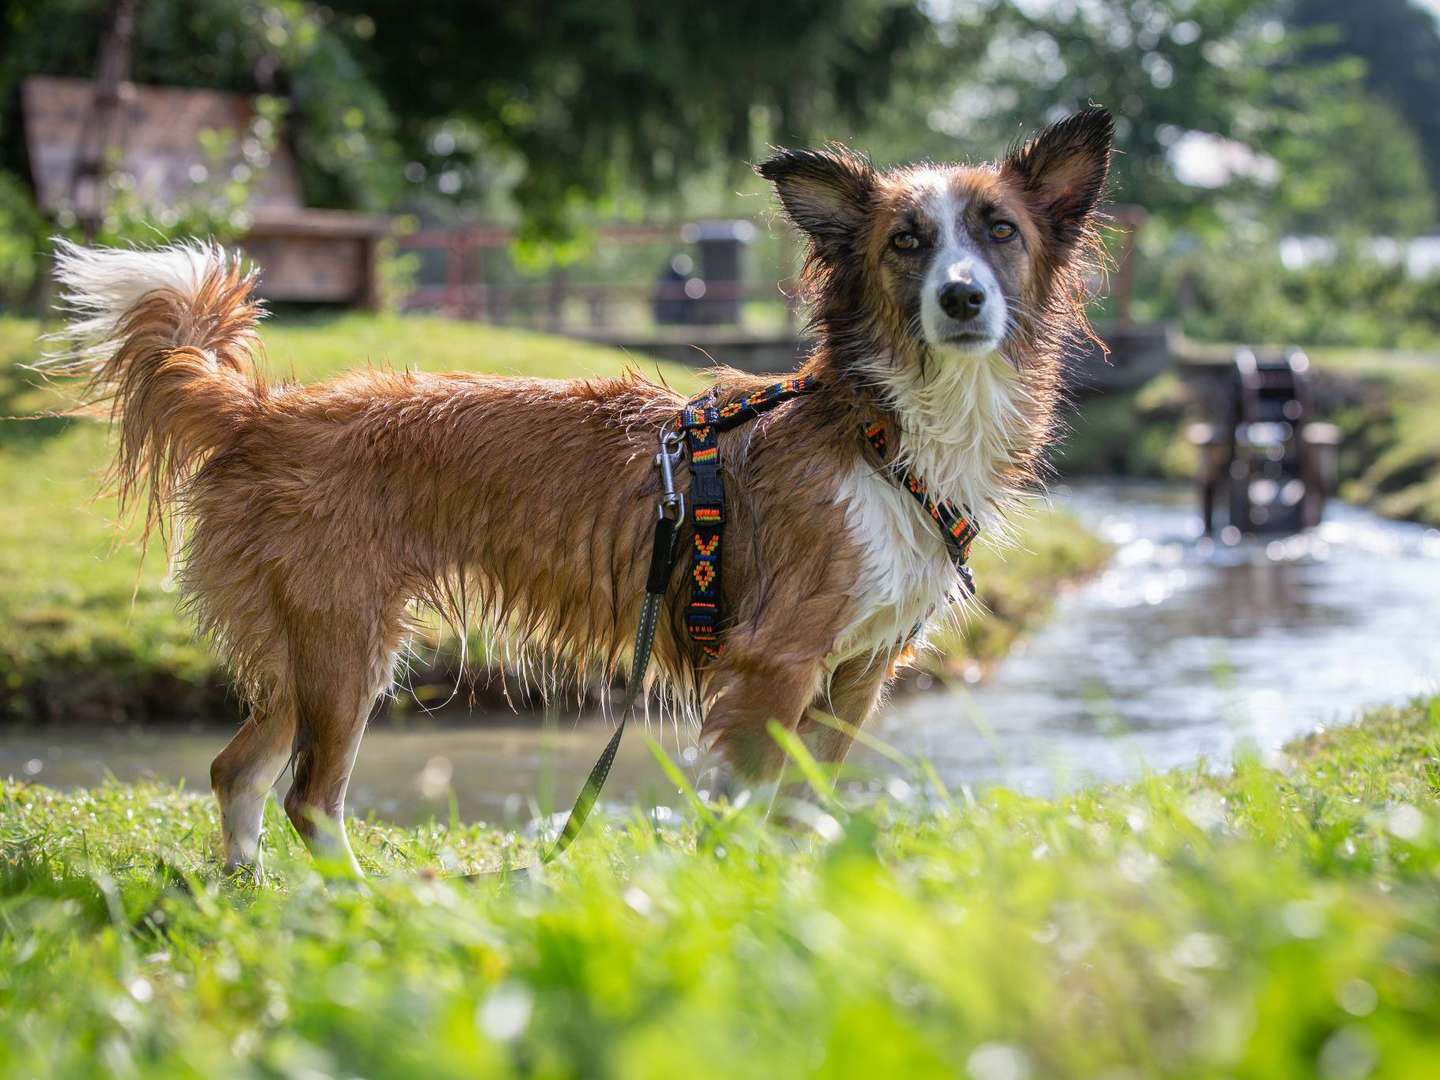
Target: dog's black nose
{"points": [[961, 299]]}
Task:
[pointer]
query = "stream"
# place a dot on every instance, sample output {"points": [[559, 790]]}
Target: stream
{"points": [[1182, 650]]}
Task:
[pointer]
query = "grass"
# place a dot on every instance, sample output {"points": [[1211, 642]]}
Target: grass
{"points": [[1265, 922], [86, 632]]}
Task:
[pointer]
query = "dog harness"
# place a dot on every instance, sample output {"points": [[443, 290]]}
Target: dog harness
{"points": [[701, 421], [957, 528], [697, 430]]}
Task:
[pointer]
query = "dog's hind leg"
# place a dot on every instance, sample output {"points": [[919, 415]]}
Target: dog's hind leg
{"points": [[337, 679], [242, 776]]}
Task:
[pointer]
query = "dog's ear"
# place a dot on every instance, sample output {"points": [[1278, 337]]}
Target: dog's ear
{"points": [[826, 193], [1061, 172]]}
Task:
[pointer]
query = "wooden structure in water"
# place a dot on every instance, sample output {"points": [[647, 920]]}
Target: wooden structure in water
{"points": [[1264, 457], [153, 135]]}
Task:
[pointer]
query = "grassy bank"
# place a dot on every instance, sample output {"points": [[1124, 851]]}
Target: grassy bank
{"points": [[1133, 433], [1258, 924], [1391, 422], [87, 632]]}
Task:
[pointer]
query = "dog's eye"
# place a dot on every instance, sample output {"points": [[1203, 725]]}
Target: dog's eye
{"points": [[1001, 231], [905, 241]]}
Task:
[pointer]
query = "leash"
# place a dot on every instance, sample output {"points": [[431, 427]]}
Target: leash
{"points": [[662, 560], [696, 428]]}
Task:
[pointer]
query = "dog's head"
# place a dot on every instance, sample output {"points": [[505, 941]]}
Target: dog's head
{"points": [[950, 260]]}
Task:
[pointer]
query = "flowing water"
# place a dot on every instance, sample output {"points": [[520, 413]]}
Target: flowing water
{"points": [[1179, 651], [1184, 648]]}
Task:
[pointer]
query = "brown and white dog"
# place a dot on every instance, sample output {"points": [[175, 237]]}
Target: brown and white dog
{"points": [[316, 519]]}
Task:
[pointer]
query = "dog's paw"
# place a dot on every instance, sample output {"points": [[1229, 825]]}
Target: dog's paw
{"points": [[721, 787], [714, 779], [239, 874]]}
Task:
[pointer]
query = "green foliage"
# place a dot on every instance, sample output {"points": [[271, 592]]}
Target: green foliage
{"points": [[216, 206], [1259, 923], [20, 225], [581, 98], [1243, 292], [1390, 458], [1399, 40], [397, 271], [1349, 164], [566, 104], [1164, 67]]}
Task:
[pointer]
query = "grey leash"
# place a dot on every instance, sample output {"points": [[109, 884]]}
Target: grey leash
{"points": [[662, 561]]}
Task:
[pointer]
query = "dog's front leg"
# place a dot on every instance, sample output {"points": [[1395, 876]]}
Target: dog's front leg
{"points": [[854, 691], [745, 761], [750, 690]]}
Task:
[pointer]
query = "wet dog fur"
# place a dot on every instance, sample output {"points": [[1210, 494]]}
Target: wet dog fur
{"points": [[317, 519]]}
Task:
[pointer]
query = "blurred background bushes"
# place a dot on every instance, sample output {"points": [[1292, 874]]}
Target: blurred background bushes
{"points": [[1242, 124]]}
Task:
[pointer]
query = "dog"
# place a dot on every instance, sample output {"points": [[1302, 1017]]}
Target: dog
{"points": [[317, 519]]}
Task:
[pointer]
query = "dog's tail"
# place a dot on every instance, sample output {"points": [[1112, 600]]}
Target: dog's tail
{"points": [[166, 337]]}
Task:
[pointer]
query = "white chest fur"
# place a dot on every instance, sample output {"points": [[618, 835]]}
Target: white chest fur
{"points": [[905, 572], [962, 423]]}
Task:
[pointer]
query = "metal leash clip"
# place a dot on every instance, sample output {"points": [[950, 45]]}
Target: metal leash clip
{"points": [[672, 447]]}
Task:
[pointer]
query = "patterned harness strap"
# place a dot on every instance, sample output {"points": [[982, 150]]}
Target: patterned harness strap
{"points": [[702, 421], [957, 526]]}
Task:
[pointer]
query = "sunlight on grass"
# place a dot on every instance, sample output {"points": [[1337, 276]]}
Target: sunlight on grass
{"points": [[1258, 924]]}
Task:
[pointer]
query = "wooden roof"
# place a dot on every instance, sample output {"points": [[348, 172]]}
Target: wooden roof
{"points": [[158, 133]]}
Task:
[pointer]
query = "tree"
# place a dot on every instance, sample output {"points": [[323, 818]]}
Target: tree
{"points": [[1348, 161], [586, 95], [1164, 67], [1400, 44], [566, 101], [1310, 147]]}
